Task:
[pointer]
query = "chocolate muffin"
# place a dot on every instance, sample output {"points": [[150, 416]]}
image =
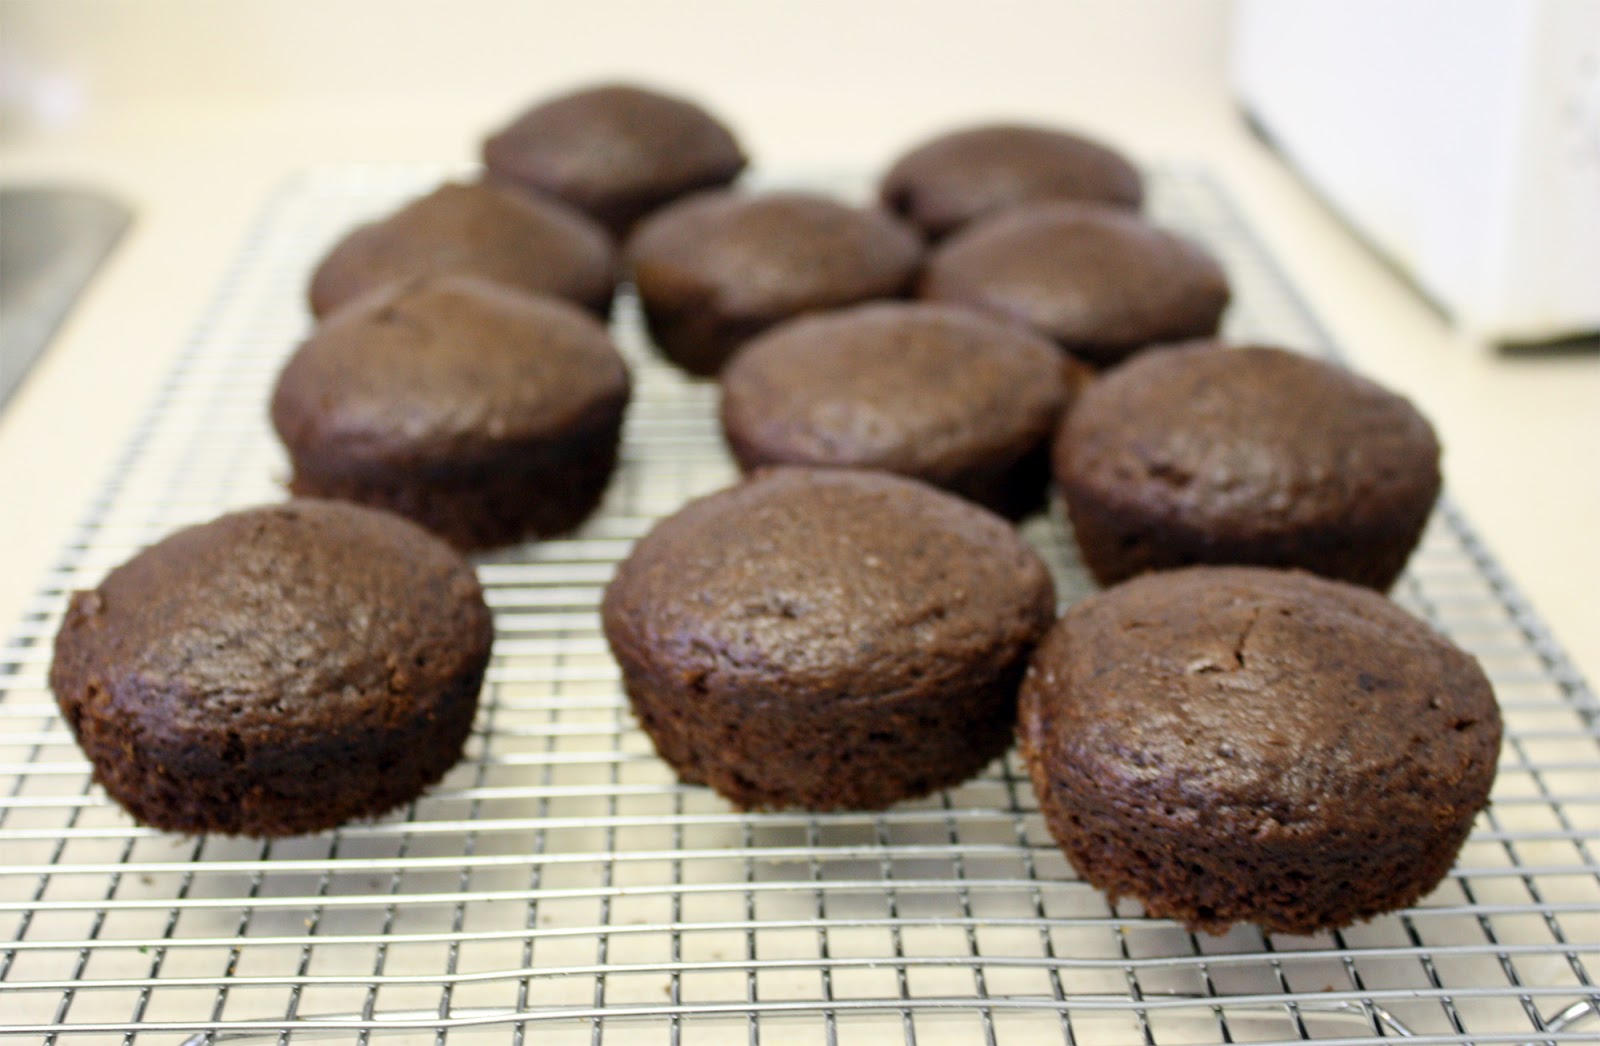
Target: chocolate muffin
{"points": [[1102, 282], [615, 152], [950, 180], [1205, 454], [827, 638], [473, 230], [276, 671], [718, 268], [1237, 744], [941, 394], [481, 412]]}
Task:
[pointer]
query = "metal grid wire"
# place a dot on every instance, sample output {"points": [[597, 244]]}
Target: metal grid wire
{"points": [[561, 887]]}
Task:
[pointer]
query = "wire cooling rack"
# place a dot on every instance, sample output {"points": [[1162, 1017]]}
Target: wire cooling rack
{"points": [[561, 887]]}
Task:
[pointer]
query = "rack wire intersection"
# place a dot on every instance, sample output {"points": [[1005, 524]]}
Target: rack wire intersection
{"points": [[561, 887]]}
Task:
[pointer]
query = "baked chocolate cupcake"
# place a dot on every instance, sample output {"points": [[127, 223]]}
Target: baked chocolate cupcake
{"points": [[1102, 282], [275, 671], [481, 412], [827, 638], [1204, 454], [941, 394], [1236, 744], [473, 230], [615, 152], [950, 180], [718, 268]]}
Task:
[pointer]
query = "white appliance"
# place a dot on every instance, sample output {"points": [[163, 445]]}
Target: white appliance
{"points": [[1461, 137]]}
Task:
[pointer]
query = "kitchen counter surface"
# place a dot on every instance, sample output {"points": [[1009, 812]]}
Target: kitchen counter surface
{"points": [[1522, 433]]}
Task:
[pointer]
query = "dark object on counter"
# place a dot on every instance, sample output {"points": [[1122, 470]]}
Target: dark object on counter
{"points": [[718, 268], [1232, 744], [1207, 454], [54, 240], [276, 671], [948, 181], [481, 412], [827, 638], [1102, 282], [615, 152], [941, 394], [540, 246]]}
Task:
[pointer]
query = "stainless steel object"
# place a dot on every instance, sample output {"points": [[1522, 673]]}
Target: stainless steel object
{"points": [[52, 240], [561, 887]]}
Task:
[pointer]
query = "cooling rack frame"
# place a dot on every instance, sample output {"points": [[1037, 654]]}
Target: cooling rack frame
{"points": [[559, 886]]}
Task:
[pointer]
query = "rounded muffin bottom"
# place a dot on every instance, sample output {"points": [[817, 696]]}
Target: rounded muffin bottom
{"points": [[332, 293], [691, 332], [1117, 544], [1182, 862], [617, 211], [771, 751], [1014, 488], [696, 337], [1011, 486], [236, 785], [544, 493]]}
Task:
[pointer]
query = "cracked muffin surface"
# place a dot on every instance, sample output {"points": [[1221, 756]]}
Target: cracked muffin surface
{"points": [[1239, 744], [275, 671]]}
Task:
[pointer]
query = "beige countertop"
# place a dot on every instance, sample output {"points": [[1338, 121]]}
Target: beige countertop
{"points": [[194, 113], [1522, 434]]}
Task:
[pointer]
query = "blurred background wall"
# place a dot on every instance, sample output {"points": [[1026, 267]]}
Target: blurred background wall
{"points": [[895, 69]]}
